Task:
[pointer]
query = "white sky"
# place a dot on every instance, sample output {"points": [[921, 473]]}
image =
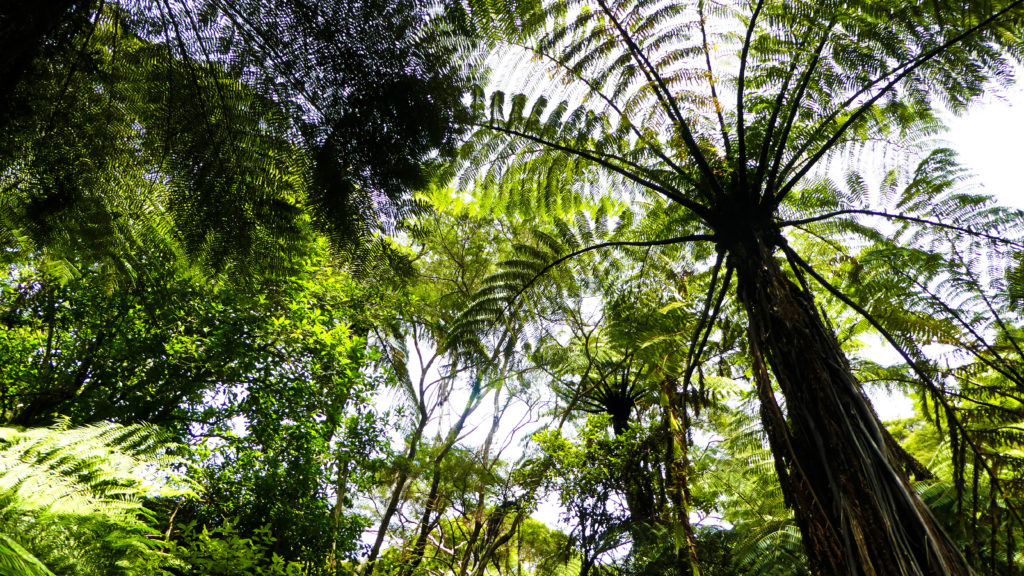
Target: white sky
{"points": [[988, 140]]}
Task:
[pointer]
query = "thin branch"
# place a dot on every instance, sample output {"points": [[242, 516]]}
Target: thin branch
{"points": [[904, 218]]}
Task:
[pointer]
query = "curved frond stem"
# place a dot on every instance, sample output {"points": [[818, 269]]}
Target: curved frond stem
{"points": [[992, 310], [1004, 368], [1002, 325], [698, 329], [595, 90], [995, 390], [708, 322], [711, 79], [202, 47], [825, 240], [665, 97], [762, 158], [673, 195], [73, 68], [938, 393], [794, 257], [999, 428], [1012, 375], [800, 276], [794, 108], [741, 144], [618, 243], [904, 218], [904, 70], [179, 39], [995, 407]]}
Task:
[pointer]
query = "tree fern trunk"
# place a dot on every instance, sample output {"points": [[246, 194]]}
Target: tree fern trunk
{"points": [[856, 510], [677, 470]]}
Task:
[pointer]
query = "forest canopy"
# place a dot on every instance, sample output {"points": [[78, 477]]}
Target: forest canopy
{"points": [[564, 287]]}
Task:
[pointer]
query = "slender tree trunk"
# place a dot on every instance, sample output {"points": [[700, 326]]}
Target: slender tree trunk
{"points": [[638, 486], [341, 487], [856, 510], [431, 514], [401, 477], [676, 471], [497, 540], [481, 495]]}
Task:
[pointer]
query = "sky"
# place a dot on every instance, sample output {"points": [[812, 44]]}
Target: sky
{"points": [[989, 141]]}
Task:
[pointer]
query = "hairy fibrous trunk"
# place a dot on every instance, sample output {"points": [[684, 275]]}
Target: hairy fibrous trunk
{"points": [[856, 509]]}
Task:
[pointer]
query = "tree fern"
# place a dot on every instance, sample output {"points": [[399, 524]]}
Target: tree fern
{"points": [[226, 129], [733, 115], [16, 561], [60, 487]]}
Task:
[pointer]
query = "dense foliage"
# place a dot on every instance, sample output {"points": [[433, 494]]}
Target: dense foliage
{"points": [[493, 288]]}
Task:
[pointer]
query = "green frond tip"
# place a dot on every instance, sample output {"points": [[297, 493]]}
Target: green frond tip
{"points": [[63, 485], [16, 561], [100, 468]]}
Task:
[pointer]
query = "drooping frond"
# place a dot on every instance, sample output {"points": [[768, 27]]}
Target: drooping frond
{"points": [[554, 252], [16, 561], [57, 485], [230, 127]]}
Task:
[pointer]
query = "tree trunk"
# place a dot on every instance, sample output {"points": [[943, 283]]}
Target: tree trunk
{"points": [[431, 512], [481, 495], [397, 487], [676, 471], [855, 508]]}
